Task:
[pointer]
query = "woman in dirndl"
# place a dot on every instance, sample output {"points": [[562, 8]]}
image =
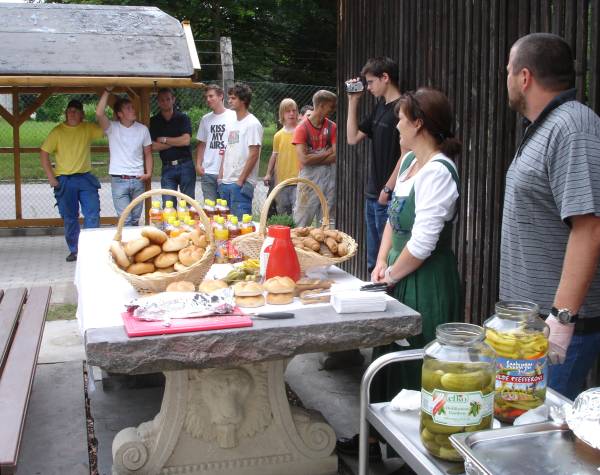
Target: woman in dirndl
{"points": [[415, 257]]}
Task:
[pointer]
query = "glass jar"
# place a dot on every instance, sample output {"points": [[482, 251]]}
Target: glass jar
{"points": [[457, 387], [520, 338]]}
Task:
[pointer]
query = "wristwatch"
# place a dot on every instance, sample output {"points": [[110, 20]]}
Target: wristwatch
{"points": [[387, 190], [563, 315], [164, 140]]}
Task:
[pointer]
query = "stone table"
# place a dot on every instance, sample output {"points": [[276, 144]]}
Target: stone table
{"points": [[225, 409]]}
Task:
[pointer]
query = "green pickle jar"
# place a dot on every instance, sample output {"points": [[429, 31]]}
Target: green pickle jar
{"points": [[457, 393], [520, 338]]}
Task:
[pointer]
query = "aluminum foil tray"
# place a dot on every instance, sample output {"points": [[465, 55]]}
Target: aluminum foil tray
{"points": [[533, 449]]}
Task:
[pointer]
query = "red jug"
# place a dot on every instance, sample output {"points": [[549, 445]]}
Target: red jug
{"points": [[278, 256]]}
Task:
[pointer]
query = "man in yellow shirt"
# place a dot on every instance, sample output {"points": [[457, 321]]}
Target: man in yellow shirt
{"points": [[284, 158], [71, 180]]}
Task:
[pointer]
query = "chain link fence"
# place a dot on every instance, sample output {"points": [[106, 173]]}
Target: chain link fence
{"points": [[37, 199]]}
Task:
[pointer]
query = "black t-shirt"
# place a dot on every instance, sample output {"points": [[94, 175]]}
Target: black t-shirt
{"points": [[380, 127], [178, 125]]}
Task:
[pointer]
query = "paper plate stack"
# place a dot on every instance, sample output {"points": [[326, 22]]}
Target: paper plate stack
{"points": [[351, 301]]}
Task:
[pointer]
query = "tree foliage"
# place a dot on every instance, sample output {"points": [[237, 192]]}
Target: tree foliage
{"points": [[291, 41]]}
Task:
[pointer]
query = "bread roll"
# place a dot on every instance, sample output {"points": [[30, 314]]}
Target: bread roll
{"points": [[279, 285], [317, 234], [155, 235], [181, 286], [250, 301], [119, 255], [148, 253], [280, 299], [190, 255], [178, 267], [246, 289], [342, 249], [331, 244], [140, 268], [209, 286], [166, 270], [174, 244], [165, 259], [311, 284], [199, 238], [135, 246]]}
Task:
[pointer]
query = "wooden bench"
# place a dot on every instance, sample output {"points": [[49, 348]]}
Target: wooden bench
{"points": [[22, 317]]}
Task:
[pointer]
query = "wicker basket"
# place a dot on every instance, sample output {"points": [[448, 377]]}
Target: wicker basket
{"points": [[157, 283], [250, 244]]}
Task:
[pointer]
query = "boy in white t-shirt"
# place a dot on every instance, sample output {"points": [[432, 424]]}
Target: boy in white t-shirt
{"points": [[239, 170], [212, 140], [130, 155]]}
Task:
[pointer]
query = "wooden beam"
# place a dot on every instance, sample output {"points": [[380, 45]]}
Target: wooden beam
{"points": [[59, 90], [144, 118], [23, 116], [93, 82], [47, 222], [7, 116], [17, 154]]}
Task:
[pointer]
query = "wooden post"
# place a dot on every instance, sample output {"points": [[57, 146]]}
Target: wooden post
{"points": [[227, 63], [17, 153], [144, 118]]}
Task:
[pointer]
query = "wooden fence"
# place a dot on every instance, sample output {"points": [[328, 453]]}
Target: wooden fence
{"points": [[460, 47]]}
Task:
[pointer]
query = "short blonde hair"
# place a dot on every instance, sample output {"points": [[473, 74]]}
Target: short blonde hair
{"points": [[322, 96], [285, 105]]}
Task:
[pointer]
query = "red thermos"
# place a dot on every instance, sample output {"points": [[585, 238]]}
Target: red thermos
{"points": [[277, 255]]}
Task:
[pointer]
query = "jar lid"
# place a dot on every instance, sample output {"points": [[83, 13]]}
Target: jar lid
{"points": [[279, 231]]}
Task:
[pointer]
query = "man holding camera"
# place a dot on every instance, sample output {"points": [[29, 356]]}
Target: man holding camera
{"points": [[381, 76]]}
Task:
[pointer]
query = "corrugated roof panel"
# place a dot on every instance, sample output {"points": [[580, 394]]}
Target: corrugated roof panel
{"points": [[53, 39]]}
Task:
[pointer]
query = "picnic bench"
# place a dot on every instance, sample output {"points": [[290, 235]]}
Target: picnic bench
{"points": [[22, 317]]}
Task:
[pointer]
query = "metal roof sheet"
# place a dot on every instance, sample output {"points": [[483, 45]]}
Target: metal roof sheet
{"points": [[91, 40]]}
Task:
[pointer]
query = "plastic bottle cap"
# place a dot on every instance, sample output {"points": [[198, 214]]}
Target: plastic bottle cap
{"points": [[246, 218], [176, 222], [171, 219], [206, 201], [156, 204], [233, 219], [279, 231], [182, 203], [169, 204], [224, 202]]}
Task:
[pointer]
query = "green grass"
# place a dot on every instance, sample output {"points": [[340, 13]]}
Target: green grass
{"points": [[32, 134], [64, 311]]}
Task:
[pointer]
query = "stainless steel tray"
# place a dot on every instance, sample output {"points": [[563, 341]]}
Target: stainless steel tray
{"points": [[533, 449]]}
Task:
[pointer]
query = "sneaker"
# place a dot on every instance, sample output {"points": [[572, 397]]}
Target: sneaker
{"points": [[349, 446], [72, 257]]}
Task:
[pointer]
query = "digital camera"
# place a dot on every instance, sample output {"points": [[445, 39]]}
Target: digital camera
{"points": [[354, 86]]}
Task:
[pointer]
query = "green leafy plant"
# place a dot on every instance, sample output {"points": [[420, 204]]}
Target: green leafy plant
{"points": [[282, 219]]}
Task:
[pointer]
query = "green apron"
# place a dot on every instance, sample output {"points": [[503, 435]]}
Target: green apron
{"points": [[433, 290]]}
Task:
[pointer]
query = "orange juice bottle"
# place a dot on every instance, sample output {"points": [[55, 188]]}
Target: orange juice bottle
{"points": [[169, 211], [247, 225], [177, 229], [209, 208], [221, 241], [156, 215], [183, 211], [225, 208]]}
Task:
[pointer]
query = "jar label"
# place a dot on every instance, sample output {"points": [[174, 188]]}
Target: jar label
{"points": [[521, 379], [457, 409]]}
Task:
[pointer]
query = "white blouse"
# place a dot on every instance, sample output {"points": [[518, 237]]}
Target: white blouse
{"points": [[436, 196]]}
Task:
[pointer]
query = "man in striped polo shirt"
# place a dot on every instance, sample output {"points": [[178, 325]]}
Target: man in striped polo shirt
{"points": [[551, 222]]}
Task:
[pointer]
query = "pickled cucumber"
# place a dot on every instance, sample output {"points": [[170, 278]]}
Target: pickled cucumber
{"points": [[426, 435], [449, 454], [443, 440], [463, 382], [431, 379], [431, 426], [486, 423]]}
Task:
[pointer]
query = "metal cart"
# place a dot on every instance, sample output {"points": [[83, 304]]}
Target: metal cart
{"points": [[401, 429]]}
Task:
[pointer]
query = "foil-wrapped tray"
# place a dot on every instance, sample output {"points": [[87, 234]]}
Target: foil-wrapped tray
{"points": [[533, 449]]}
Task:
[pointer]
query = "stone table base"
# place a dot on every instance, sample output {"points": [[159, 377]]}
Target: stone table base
{"points": [[227, 421]]}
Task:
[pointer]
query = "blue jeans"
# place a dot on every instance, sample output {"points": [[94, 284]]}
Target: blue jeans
{"points": [[73, 190], [239, 198], [124, 191], [209, 186], [182, 175], [376, 216], [569, 378]]}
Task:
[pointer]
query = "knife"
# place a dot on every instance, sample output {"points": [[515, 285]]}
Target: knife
{"points": [[272, 316]]}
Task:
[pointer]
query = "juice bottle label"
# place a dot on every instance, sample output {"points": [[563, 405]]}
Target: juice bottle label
{"points": [[457, 408]]}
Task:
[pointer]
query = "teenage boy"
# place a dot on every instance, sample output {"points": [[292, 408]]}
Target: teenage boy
{"points": [[284, 159], [212, 140], [239, 169], [381, 76], [71, 180], [171, 132], [130, 155], [315, 141]]}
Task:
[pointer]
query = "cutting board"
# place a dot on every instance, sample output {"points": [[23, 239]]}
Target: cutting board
{"points": [[135, 327]]}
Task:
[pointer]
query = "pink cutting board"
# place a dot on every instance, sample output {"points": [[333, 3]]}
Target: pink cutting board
{"points": [[135, 327]]}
